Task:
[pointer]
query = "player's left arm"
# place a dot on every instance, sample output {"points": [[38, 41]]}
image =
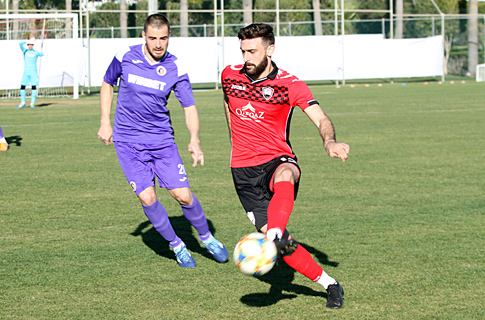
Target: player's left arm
{"points": [[192, 122], [327, 132]]}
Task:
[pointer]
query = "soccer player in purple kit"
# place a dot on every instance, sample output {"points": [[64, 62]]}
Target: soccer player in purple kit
{"points": [[143, 135]]}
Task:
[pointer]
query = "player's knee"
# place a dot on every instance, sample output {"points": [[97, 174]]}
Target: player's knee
{"points": [[147, 198], [34, 87], [22, 87], [182, 196], [286, 245], [286, 172]]}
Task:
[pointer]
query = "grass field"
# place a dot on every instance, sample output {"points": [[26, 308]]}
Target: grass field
{"points": [[400, 224]]}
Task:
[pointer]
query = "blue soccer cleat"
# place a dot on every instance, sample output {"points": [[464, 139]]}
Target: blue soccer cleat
{"points": [[21, 106], [217, 249], [32, 106], [184, 258]]}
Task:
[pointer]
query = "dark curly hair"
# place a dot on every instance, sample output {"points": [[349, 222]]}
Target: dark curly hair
{"points": [[257, 30]]}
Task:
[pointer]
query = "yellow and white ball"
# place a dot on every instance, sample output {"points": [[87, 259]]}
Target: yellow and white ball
{"points": [[255, 255]]}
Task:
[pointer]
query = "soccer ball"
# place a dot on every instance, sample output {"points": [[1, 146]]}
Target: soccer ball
{"points": [[254, 254]]}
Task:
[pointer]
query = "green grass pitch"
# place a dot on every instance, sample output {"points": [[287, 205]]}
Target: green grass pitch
{"points": [[400, 224]]}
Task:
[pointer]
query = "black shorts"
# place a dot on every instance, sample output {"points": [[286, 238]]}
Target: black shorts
{"points": [[253, 188]]}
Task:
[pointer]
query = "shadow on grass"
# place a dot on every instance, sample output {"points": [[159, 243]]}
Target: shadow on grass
{"points": [[41, 105], [182, 228], [280, 278], [14, 140]]}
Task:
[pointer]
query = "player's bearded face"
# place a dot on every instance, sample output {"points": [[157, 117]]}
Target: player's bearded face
{"points": [[156, 42], [256, 57], [255, 70]]}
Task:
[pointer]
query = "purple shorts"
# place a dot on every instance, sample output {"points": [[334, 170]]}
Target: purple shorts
{"points": [[142, 162]]}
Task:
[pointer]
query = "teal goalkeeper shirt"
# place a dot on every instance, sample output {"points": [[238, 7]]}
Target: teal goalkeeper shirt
{"points": [[30, 58]]}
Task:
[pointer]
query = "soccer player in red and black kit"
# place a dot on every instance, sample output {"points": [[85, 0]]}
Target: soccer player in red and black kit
{"points": [[259, 99]]}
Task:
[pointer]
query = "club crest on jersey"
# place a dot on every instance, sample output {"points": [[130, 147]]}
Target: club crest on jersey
{"points": [[267, 92], [133, 185], [161, 71]]}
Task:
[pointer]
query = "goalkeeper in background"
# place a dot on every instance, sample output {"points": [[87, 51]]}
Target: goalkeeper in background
{"points": [[30, 75]]}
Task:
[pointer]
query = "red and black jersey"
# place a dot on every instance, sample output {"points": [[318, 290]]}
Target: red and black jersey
{"points": [[260, 112]]}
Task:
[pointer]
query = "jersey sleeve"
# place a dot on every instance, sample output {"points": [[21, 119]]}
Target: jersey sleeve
{"points": [[113, 72], [301, 96], [183, 88], [183, 91], [21, 44], [114, 69]]}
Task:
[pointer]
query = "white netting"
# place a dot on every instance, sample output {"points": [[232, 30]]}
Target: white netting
{"points": [[480, 76], [57, 37]]}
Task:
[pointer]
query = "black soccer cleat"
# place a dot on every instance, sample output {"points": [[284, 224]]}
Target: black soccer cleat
{"points": [[335, 296], [285, 246]]}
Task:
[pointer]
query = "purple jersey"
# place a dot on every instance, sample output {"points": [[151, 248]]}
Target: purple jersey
{"points": [[142, 115]]}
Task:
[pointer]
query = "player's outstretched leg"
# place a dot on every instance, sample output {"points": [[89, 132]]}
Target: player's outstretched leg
{"points": [[158, 216], [196, 217], [297, 257]]}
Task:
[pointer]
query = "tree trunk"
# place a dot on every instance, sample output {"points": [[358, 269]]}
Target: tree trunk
{"points": [[398, 33], [123, 19], [248, 12], [15, 25], [317, 18], [184, 18], [68, 22], [448, 42], [472, 37]]}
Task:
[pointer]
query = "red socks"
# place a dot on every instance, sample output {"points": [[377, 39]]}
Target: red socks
{"points": [[302, 261], [281, 205], [279, 211]]}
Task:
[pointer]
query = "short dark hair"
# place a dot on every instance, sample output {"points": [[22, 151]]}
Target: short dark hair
{"points": [[257, 30], [156, 21]]}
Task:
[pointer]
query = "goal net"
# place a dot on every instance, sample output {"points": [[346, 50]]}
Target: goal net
{"points": [[56, 35], [480, 75]]}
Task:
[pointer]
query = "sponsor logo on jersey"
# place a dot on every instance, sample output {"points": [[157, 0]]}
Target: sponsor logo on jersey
{"points": [[133, 185], [267, 92], [248, 112], [136, 61], [145, 82], [237, 87], [161, 71]]}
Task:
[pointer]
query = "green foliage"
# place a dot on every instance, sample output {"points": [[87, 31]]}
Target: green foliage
{"points": [[105, 20], [137, 19]]}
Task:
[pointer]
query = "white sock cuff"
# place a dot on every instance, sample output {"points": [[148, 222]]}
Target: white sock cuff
{"points": [[326, 280]]}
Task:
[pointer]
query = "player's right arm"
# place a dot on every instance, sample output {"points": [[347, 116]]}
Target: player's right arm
{"points": [[22, 46], [228, 115], [105, 132], [111, 76]]}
